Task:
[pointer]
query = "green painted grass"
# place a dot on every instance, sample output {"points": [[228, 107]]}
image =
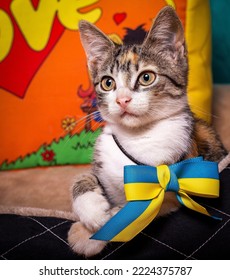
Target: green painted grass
{"points": [[71, 149]]}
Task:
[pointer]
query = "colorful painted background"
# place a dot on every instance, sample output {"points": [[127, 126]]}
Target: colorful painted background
{"points": [[47, 104]]}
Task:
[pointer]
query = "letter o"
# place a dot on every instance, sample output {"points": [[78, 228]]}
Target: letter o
{"points": [[6, 35]]}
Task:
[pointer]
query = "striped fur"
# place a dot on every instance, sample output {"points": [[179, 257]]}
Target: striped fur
{"points": [[142, 95]]}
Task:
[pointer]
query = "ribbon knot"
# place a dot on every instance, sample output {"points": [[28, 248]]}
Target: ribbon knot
{"points": [[145, 187], [167, 178]]}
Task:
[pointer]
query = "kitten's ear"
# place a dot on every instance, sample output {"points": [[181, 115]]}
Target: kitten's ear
{"points": [[95, 43], [167, 31]]}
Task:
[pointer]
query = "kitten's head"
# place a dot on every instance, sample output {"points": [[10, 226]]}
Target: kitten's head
{"points": [[139, 84]]}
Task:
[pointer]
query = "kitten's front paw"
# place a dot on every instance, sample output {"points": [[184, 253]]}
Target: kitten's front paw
{"points": [[80, 242], [93, 210]]}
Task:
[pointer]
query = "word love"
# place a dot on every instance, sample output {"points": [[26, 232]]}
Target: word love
{"points": [[36, 24]]}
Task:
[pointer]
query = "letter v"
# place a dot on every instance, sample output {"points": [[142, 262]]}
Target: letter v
{"points": [[35, 24]]}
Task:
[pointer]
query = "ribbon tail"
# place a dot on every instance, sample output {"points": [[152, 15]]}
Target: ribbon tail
{"points": [[130, 220], [187, 201]]}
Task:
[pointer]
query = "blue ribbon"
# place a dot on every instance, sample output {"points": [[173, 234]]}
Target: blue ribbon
{"points": [[145, 187]]}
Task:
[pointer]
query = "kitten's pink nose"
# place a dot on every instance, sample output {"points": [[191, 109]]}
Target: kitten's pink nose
{"points": [[123, 101]]}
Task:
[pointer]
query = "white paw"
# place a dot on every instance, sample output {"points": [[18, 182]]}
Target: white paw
{"points": [[92, 209], [80, 242]]}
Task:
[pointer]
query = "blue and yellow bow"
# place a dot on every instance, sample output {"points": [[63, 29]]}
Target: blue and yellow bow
{"points": [[145, 187]]}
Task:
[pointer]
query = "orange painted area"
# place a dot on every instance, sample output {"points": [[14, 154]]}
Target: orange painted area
{"points": [[27, 123], [181, 7]]}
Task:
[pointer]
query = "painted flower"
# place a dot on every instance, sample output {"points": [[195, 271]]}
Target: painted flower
{"points": [[69, 124], [48, 155]]}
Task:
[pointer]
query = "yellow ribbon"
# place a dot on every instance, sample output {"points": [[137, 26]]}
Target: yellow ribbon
{"points": [[145, 187]]}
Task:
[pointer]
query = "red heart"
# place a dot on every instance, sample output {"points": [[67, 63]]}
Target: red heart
{"points": [[20, 66], [119, 17]]}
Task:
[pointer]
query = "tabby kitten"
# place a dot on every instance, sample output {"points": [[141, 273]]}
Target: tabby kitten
{"points": [[141, 93]]}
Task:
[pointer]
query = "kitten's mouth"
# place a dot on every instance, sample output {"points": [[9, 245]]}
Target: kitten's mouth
{"points": [[128, 114], [130, 120]]}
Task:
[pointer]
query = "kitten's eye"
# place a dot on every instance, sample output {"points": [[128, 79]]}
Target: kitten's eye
{"points": [[146, 78], [108, 83]]}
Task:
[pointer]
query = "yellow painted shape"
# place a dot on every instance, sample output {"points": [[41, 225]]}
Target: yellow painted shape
{"points": [[198, 38]]}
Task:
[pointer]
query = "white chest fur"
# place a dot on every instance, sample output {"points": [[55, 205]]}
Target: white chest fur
{"points": [[163, 142]]}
